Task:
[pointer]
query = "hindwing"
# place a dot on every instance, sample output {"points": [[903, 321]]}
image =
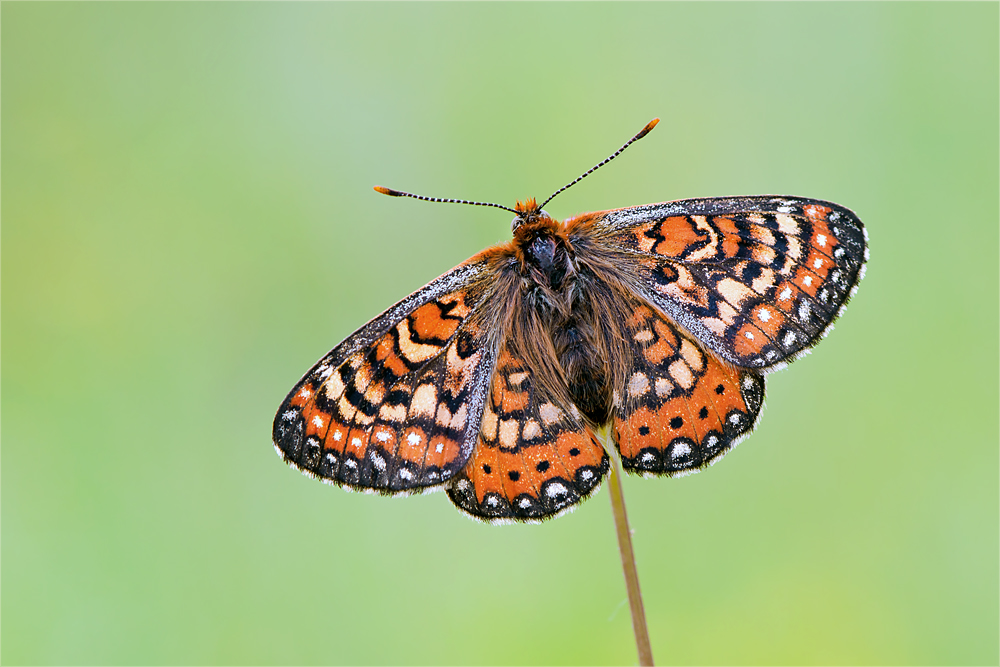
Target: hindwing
{"points": [[680, 408], [535, 458]]}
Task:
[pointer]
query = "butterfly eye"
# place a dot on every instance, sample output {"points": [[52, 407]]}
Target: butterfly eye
{"points": [[516, 222]]}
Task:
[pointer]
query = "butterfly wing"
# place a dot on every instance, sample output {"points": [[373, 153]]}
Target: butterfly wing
{"points": [[680, 408], [759, 280], [396, 406], [535, 458], [729, 289]]}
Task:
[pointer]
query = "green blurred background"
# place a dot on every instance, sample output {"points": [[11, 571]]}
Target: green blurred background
{"points": [[188, 224]]}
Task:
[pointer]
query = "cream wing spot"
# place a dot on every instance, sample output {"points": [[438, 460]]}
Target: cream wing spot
{"points": [[794, 249], [509, 434], [393, 413], [458, 419], [691, 355], [786, 223], [424, 401], [516, 379], [681, 374], [762, 283], [727, 313], [663, 387], [345, 408], [643, 336], [638, 384], [375, 394], [414, 352], [363, 378], [334, 387], [489, 424], [549, 413], [734, 292]]}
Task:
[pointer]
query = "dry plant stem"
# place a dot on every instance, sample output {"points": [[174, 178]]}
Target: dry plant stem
{"points": [[628, 565]]}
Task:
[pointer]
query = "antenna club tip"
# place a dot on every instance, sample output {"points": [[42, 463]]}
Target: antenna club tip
{"points": [[386, 191], [649, 126]]}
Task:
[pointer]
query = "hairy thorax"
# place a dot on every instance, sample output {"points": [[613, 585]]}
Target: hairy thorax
{"points": [[558, 328]]}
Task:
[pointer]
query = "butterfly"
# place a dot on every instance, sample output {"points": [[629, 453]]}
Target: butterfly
{"points": [[656, 322]]}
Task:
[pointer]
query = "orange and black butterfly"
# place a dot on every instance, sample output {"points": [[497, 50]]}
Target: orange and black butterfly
{"points": [[657, 321]]}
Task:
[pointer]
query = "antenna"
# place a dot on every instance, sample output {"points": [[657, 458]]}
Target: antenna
{"points": [[649, 126], [400, 193]]}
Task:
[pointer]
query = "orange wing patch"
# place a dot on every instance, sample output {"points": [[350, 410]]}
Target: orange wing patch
{"points": [[681, 408], [534, 459]]}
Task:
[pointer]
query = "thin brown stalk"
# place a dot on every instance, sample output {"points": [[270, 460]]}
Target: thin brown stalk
{"points": [[628, 564]]}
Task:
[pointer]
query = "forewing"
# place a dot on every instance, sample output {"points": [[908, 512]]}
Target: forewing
{"points": [[535, 458], [395, 407], [680, 408], [758, 279]]}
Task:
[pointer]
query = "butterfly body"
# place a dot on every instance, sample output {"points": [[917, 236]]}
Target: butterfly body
{"points": [[657, 321]]}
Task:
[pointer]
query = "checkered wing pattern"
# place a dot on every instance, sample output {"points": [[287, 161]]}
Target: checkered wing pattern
{"points": [[535, 458], [396, 406], [758, 280], [680, 407]]}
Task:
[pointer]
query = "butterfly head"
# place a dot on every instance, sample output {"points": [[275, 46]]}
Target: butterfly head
{"points": [[528, 211]]}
